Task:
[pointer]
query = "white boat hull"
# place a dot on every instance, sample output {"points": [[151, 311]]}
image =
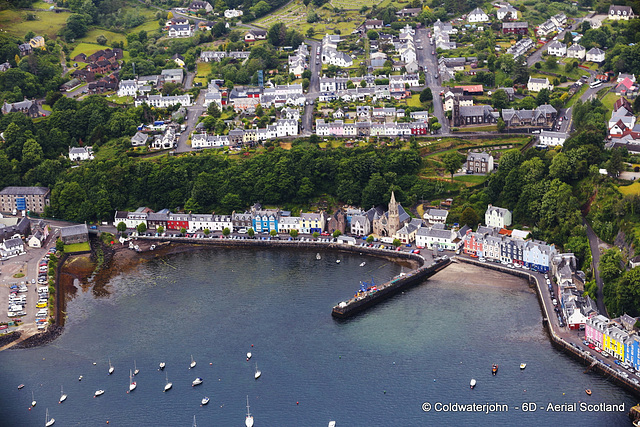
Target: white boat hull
{"points": [[50, 422], [63, 398], [98, 393], [167, 387]]}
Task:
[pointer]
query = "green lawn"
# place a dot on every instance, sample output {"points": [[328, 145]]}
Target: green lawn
{"points": [[630, 190], [77, 247], [609, 99], [110, 35], [120, 99], [473, 179], [148, 26], [86, 48], [414, 101], [204, 69], [49, 23], [42, 5]]}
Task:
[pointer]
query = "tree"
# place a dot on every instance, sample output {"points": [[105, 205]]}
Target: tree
{"points": [[501, 125], [183, 230], [206, 231], [102, 40], [397, 242], [452, 162], [543, 97], [250, 232], [310, 32], [142, 227], [373, 35], [426, 95], [160, 229], [469, 217], [121, 227], [273, 233], [226, 231], [370, 239], [293, 233], [336, 233], [169, 15], [500, 99], [59, 246], [315, 234]]}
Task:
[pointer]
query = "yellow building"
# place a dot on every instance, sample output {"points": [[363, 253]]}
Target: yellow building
{"points": [[312, 222], [613, 341], [37, 42]]}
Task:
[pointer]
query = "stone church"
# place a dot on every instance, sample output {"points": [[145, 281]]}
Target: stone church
{"points": [[388, 224]]}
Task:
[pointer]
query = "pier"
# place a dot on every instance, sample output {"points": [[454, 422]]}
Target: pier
{"points": [[367, 299]]}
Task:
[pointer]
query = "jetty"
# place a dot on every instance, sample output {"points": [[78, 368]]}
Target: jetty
{"points": [[370, 297]]}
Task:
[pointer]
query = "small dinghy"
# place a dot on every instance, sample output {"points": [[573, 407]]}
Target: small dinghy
{"points": [[472, 384]]}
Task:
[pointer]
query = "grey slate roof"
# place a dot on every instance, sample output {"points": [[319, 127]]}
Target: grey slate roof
{"points": [[24, 191], [74, 230]]}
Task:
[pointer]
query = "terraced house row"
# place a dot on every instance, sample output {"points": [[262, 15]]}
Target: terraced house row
{"points": [[616, 336]]}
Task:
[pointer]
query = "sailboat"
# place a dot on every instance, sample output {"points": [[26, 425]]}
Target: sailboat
{"points": [[318, 256], [161, 366], [168, 385], [136, 371], [472, 384], [258, 372], [132, 384], [248, 356], [33, 399], [193, 363], [48, 422], [111, 368], [248, 422], [63, 396]]}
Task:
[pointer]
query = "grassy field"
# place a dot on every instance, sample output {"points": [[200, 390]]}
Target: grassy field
{"points": [[630, 190], [42, 5], [77, 247], [609, 99], [471, 179], [414, 101], [110, 35], [204, 68], [49, 23], [88, 49], [149, 26]]}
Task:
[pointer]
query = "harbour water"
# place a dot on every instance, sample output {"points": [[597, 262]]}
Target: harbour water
{"points": [[377, 369]]}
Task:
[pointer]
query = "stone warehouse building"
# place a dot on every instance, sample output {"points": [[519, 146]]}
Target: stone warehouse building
{"points": [[33, 199]]}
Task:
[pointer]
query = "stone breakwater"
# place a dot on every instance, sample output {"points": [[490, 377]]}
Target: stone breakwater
{"points": [[43, 338], [9, 338]]}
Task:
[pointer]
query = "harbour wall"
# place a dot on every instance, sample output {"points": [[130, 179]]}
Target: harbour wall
{"points": [[357, 304], [558, 342]]}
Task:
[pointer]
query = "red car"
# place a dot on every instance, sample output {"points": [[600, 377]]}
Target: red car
{"points": [[591, 346]]}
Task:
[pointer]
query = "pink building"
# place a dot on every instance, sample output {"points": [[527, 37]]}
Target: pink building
{"points": [[594, 329], [473, 243]]}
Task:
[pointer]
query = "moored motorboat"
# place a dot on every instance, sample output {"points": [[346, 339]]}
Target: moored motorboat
{"points": [[48, 422], [248, 421], [168, 385], [80, 378], [204, 400], [332, 424], [248, 356], [523, 365], [63, 396], [258, 372], [362, 264], [193, 363], [196, 382], [161, 366], [318, 256], [21, 386], [337, 261], [472, 384], [33, 400], [588, 391], [494, 369], [98, 393], [132, 383]]}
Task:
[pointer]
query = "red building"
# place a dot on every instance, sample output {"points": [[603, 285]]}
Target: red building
{"points": [[419, 128], [178, 221], [515, 28], [473, 245]]}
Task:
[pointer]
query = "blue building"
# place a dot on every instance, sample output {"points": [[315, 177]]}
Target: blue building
{"points": [[265, 220]]}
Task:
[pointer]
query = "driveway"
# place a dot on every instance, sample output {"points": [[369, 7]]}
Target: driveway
{"points": [[594, 244]]}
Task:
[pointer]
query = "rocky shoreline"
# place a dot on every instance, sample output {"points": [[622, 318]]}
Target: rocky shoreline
{"points": [[9, 338], [42, 338]]}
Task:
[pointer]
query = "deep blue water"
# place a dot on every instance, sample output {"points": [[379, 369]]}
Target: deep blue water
{"points": [[377, 369]]}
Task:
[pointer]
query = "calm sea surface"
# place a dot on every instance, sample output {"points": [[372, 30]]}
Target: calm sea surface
{"points": [[377, 369]]}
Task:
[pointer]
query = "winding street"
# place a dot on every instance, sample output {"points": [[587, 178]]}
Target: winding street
{"points": [[594, 243]]}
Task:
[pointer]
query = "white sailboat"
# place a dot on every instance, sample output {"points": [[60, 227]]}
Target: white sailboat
{"points": [[111, 368], [472, 383], [63, 396], [48, 422], [193, 363], [248, 356], [258, 372], [132, 384], [248, 422], [168, 385], [136, 371], [33, 400]]}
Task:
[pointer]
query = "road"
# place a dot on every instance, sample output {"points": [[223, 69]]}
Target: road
{"points": [[193, 113], [594, 244], [314, 87], [537, 55], [429, 63]]}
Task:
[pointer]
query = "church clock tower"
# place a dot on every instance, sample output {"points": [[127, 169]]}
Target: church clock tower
{"points": [[394, 216]]}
